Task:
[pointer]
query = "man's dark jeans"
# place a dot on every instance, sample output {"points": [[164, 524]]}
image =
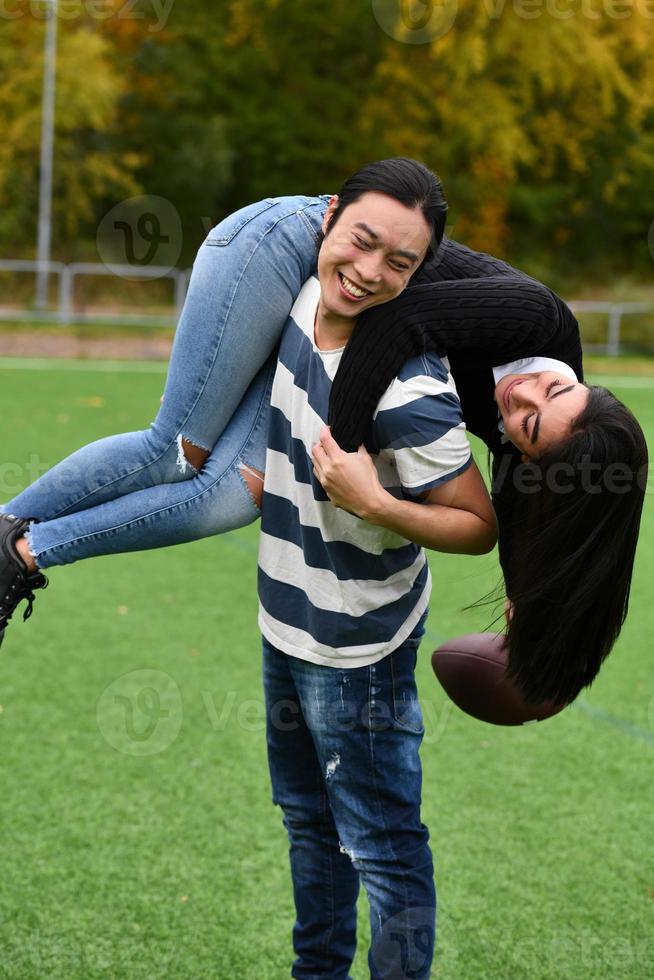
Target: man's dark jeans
{"points": [[343, 756]]}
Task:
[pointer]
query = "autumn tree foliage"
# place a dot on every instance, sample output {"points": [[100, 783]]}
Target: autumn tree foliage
{"points": [[90, 164], [539, 116], [541, 126]]}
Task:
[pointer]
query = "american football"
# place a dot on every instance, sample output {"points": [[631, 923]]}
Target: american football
{"points": [[472, 672]]}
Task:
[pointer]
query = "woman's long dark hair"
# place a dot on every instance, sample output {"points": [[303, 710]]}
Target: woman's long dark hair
{"points": [[569, 527]]}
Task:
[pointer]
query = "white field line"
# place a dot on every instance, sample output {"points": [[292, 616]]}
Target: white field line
{"points": [[160, 367], [66, 364]]}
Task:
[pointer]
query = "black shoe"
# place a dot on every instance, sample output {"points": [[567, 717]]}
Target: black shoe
{"points": [[16, 582]]}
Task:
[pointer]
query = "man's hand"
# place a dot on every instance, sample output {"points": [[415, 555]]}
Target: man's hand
{"points": [[350, 480], [457, 516]]}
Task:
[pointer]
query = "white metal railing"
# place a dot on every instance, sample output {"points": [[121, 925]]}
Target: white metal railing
{"points": [[65, 311], [615, 312], [67, 275]]}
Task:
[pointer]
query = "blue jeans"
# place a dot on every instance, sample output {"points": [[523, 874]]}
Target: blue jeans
{"points": [[136, 491], [344, 765]]}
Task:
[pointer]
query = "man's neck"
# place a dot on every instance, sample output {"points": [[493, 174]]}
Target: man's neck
{"points": [[331, 332]]}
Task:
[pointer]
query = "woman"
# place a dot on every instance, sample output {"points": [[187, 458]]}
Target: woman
{"points": [[195, 471], [569, 462]]}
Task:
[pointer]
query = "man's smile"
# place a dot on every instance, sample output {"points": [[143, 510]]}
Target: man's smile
{"points": [[351, 289]]}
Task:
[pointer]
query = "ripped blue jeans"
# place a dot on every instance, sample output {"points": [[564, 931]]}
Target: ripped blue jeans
{"points": [[344, 765], [137, 490]]}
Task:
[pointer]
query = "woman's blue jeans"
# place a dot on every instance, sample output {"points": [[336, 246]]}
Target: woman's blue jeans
{"points": [[343, 757], [136, 491]]}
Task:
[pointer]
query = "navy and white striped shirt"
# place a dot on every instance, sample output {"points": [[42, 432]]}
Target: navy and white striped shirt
{"points": [[334, 589]]}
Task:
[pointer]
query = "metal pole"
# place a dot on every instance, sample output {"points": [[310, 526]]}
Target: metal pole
{"points": [[47, 147], [613, 336]]}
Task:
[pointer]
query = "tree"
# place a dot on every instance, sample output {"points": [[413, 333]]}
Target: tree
{"points": [[541, 126], [87, 165]]}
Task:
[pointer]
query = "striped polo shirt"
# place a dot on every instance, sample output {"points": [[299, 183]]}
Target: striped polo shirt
{"points": [[334, 589]]}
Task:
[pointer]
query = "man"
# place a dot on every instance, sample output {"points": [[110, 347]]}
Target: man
{"points": [[344, 587]]}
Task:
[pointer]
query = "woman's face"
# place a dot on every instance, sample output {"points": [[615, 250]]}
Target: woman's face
{"points": [[369, 255], [538, 409]]}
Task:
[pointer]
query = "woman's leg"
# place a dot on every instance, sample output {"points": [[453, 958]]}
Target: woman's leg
{"points": [[245, 279], [216, 499]]}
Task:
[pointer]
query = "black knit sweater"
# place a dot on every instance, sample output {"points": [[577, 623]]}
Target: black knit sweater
{"points": [[476, 309], [480, 312]]}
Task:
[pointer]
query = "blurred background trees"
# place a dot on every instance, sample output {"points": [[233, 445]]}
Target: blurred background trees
{"points": [[541, 125]]}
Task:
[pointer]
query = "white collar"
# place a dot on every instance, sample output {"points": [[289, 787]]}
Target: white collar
{"points": [[529, 365]]}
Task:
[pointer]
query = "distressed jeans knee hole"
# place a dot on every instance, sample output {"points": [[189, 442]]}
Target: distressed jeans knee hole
{"points": [[253, 480]]}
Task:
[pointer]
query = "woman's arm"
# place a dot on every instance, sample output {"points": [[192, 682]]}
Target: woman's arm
{"points": [[492, 320], [477, 322], [456, 263]]}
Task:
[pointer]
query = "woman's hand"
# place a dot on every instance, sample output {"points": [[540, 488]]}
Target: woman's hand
{"points": [[349, 479]]}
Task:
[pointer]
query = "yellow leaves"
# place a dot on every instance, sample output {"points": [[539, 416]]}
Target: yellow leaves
{"points": [[519, 89], [88, 91], [100, 174], [245, 25], [88, 86], [477, 54], [92, 401], [557, 141]]}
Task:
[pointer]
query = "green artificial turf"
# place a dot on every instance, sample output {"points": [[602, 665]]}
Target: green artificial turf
{"points": [[140, 856]]}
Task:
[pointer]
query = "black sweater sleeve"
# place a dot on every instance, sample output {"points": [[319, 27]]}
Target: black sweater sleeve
{"points": [[456, 261], [493, 320], [492, 315]]}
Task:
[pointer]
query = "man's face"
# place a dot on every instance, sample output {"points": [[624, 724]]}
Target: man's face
{"points": [[370, 254], [538, 409]]}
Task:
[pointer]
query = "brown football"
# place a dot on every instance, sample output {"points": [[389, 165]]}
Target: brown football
{"points": [[472, 672]]}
